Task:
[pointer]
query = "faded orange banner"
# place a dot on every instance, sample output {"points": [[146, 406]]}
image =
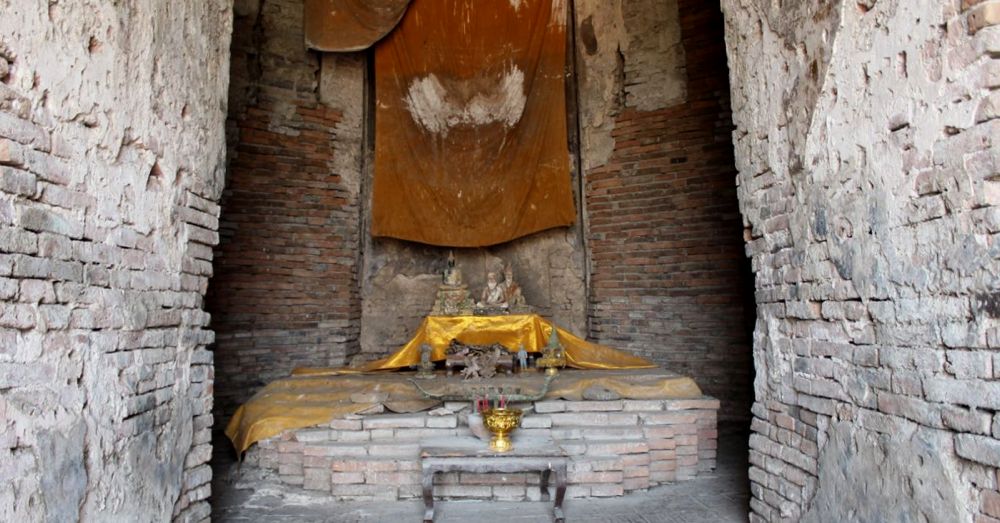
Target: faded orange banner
{"points": [[470, 123]]}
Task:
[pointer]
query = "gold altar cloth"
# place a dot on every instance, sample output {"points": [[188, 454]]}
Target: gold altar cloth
{"points": [[511, 331], [308, 400]]}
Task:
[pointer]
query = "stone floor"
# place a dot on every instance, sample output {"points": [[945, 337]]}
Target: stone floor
{"points": [[719, 497]]}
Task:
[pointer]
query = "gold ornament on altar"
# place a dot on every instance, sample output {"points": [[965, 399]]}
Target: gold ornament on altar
{"points": [[553, 356], [501, 422]]}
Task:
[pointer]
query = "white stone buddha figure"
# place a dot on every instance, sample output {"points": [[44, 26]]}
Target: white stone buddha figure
{"points": [[493, 293]]}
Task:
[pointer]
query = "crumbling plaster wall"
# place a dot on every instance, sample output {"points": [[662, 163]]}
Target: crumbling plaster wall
{"points": [[867, 147], [630, 55], [111, 160], [663, 231], [401, 280], [286, 291]]}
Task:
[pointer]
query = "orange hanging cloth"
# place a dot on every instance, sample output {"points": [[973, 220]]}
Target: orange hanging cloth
{"points": [[349, 25], [470, 123]]}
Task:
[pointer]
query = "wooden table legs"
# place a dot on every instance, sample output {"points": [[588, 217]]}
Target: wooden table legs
{"points": [[557, 469], [427, 483], [557, 512]]}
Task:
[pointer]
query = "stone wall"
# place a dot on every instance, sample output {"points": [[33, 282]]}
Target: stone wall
{"points": [[866, 142], [667, 273], [286, 292], [111, 160]]}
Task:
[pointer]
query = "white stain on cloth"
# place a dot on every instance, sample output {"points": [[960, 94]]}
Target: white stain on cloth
{"points": [[439, 109]]}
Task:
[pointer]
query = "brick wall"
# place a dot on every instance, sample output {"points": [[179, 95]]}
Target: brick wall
{"points": [[667, 278], [867, 145], [612, 447], [285, 294], [111, 159]]}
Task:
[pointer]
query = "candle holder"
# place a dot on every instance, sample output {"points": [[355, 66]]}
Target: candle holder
{"points": [[501, 422]]}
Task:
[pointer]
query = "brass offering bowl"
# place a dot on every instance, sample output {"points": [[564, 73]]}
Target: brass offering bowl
{"points": [[501, 422]]}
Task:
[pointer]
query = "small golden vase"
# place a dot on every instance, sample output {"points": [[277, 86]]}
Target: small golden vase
{"points": [[501, 422]]}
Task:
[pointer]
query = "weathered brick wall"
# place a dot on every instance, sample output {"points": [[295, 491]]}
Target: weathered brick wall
{"points": [[285, 294], [664, 227], [866, 143], [613, 448], [111, 158]]}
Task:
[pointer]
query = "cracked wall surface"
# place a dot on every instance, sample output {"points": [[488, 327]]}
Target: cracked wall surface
{"points": [[286, 292], [866, 141], [111, 161], [663, 228]]}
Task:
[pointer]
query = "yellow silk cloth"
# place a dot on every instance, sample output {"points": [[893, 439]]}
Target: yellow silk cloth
{"points": [[309, 400], [530, 330]]}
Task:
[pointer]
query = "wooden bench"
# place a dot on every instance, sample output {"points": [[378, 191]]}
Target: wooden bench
{"points": [[474, 456]]}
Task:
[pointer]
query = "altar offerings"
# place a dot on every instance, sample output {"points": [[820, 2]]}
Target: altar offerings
{"points": [[516, 330]]}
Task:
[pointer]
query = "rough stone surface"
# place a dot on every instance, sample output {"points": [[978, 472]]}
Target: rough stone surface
{"points": [[913, 480], [866, 140], [111, 161], [630, 53]]}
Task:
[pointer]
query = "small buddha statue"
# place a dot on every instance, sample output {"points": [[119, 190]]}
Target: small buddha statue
{"points": [[453, 297], [452, 275], [511, 290]]}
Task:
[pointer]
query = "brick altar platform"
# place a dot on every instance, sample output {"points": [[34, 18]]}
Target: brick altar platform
{"points": [[614, 447]]}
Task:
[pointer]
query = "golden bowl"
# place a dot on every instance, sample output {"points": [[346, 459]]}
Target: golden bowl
{"points": [[501, 422]]}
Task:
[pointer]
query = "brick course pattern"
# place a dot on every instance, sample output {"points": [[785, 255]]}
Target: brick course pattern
{"points": [[286, 292], [867, 148], [615, 447], [111, 158], [667, 276]]}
